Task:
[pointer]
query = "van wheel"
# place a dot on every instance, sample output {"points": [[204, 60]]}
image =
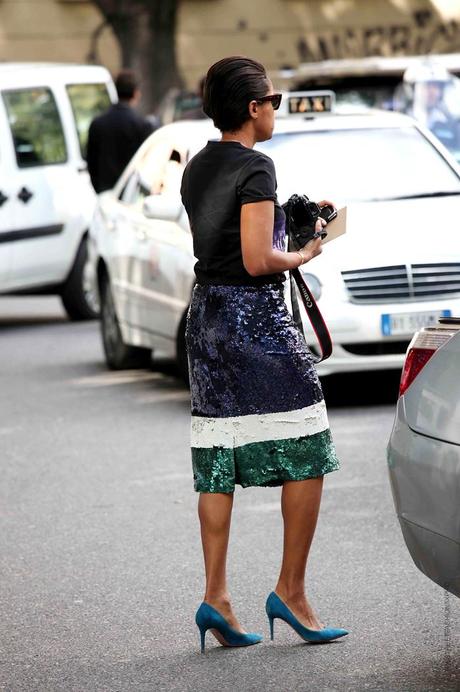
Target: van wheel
{"points": [[182, 360], [77, 296], [118, 355]]}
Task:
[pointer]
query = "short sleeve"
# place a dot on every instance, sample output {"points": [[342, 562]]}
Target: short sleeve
{"points": [[257, 181]]}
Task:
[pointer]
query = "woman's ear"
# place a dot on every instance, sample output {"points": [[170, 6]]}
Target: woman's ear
{"points": [[253, 110]]}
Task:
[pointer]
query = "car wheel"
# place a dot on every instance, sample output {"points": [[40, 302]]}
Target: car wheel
{"points": [[182, 360], [118, 355], [77, 296]]}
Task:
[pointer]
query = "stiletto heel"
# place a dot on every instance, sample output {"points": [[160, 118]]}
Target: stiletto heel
{"points": [[272, 627], [208, 618], [202, 637], [275, 608]]}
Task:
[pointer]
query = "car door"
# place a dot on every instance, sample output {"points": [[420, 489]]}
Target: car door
{"points": [[170, 248], [6, 215], [38, 184], [148, 279], [123, 249]]}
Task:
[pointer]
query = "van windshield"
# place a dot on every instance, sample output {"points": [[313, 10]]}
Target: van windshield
{"points": [[360, 165]]}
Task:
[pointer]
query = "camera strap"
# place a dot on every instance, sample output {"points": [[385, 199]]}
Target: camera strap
{"points": [[299, 221], [313, 313]]}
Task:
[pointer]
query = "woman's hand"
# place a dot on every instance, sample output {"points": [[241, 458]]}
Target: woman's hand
{"points": [[314, 247], [325, 203]]}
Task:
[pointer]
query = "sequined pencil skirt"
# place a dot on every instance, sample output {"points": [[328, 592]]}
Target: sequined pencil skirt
{"points": [[258, 413]]}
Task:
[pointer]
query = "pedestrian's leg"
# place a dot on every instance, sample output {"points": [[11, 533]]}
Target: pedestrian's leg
{"points": [[300, 502], [215, 512]]}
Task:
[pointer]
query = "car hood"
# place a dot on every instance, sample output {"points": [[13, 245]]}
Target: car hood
{"points": [[397, 232]]}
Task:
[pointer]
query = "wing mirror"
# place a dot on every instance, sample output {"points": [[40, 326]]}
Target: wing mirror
{"points": [[164, 207]]}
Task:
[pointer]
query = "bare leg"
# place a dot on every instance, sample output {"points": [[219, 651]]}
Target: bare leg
{"points": [[215, 512], [300, 502]]}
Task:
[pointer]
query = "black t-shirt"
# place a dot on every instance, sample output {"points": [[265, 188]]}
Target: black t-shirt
{"points": [[216, 182]]}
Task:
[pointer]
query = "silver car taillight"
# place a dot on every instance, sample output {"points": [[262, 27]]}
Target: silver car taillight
{"points": [[421, 348]]}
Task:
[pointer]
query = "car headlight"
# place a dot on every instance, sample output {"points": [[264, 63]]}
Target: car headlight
{"points": [[313, 283]]}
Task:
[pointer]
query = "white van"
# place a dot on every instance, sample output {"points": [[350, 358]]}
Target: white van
{"points": [[46, 196]]}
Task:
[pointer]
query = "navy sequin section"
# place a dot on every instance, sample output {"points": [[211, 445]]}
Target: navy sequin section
{"points": [[246, 354]]}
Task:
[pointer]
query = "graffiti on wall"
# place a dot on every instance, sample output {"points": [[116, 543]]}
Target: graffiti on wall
{"points": [[424, 33]]}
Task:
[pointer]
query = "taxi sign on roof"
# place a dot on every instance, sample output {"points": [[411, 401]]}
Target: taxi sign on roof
{"points": [[307, 103]]}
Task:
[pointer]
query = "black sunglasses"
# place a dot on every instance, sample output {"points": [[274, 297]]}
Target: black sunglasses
{"points": [[275, 100]]}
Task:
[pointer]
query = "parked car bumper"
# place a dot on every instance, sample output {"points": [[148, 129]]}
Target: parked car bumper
{"points": [[425, 479]]}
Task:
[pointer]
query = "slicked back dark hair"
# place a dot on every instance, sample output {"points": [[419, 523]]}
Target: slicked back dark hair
{"points": [[231, 84], [126, 84]]}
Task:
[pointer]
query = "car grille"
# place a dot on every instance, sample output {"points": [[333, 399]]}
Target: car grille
{"points": [[403, 282]]}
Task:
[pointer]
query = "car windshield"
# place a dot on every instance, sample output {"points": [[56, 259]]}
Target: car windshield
{"points": [[359, 165]]}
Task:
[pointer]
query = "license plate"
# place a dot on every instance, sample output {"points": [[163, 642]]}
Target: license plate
{"points": [[409, 322]]}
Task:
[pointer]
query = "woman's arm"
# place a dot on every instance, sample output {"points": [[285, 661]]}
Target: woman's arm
{"points": [[259, 257]]}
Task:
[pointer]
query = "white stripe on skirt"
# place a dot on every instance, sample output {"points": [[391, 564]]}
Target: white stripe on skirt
{"points": [[236, 431]]}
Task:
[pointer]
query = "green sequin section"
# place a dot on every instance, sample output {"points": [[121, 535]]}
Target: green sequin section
{"points": [[218, 469]]}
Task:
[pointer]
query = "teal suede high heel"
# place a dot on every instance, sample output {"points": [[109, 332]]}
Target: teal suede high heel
{"points": [[275, 608], [208, 618]]}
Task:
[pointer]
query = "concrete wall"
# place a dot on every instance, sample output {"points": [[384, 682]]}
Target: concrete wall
{"points": [[52, 30], [278, 32], [286, 32]]}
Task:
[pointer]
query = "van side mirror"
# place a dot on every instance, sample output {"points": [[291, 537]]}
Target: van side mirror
{"points": [[163, 207]]}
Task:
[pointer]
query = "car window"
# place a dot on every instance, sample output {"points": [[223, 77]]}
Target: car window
{"points": [[128, 189], [172, 174], [36, 127], [158, 171], [359, 164], [87, 101]]}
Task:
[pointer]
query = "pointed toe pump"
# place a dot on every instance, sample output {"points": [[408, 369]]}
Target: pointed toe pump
{"points": [[276, 608], [208, 618]]}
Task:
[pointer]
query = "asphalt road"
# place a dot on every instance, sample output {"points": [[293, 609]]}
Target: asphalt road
{"points": [[101, 569]]}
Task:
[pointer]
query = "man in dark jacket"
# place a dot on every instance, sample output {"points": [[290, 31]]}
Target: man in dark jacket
{"points": [[116, 135]]}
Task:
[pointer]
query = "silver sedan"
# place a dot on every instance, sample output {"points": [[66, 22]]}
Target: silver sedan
{"points": [[424, 453]]}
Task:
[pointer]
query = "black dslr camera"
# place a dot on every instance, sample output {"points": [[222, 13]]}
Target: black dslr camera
{"points": [[301, 218]]}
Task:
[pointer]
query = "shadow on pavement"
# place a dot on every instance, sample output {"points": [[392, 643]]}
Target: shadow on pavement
{"points": [[18, 312], [11, 322], [362, 388]]}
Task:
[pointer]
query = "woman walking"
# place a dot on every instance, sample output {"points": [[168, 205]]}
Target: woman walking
{"points": [[258, 413]]}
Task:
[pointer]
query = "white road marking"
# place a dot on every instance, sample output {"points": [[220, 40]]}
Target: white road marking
{"points": [[154, 398], [107, 379]]}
